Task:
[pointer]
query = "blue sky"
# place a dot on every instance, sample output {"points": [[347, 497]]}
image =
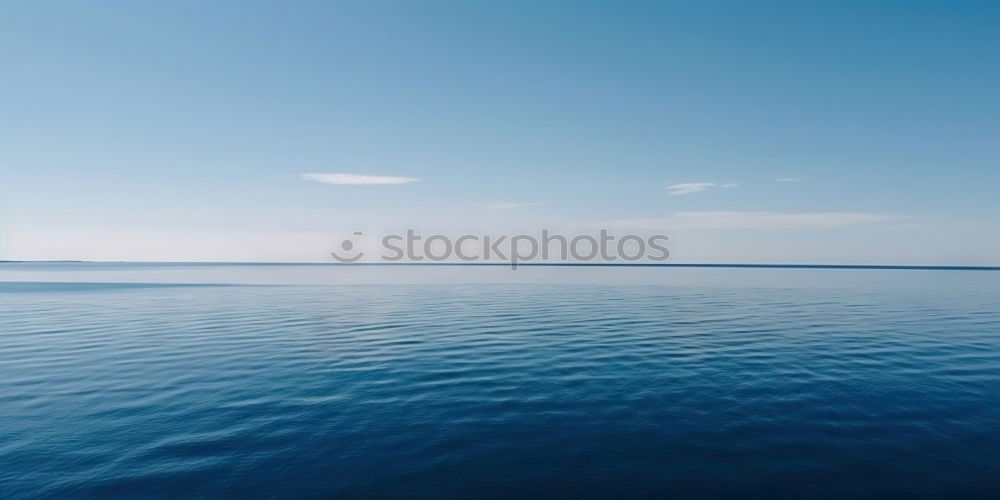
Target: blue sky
{"points": [[182, 130]]}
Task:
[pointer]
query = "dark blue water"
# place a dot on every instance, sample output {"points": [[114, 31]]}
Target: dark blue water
{"points": [[147, 381]]}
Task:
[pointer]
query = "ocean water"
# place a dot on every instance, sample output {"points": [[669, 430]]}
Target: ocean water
{"points": [[372, 382]]}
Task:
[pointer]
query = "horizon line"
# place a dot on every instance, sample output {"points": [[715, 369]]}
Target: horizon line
{"points": [[723, 265]]}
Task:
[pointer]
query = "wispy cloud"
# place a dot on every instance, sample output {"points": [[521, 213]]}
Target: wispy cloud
{"points": [[788, 179], [357, 179], [504, 205], [759, 220], [729, 185], [689, 187]]}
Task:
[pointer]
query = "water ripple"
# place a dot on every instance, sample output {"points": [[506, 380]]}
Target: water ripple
{"points": [[497, 390]]}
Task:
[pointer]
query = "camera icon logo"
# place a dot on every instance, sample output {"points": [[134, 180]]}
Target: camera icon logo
{"points": [[347, 256]]}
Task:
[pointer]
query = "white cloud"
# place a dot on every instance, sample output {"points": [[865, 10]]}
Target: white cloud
{"points": [[689, 187], [729, 185], [356, 179], [503, 205], [788, 179], [758, 220]]}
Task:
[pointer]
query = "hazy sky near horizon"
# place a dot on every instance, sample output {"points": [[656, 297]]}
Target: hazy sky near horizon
{"points": [[839, 132]]}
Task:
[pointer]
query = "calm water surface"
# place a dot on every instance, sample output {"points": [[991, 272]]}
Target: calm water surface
{"points": [[318, 381]]}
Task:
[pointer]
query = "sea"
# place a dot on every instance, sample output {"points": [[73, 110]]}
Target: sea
{"points": [[160, 380]]}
